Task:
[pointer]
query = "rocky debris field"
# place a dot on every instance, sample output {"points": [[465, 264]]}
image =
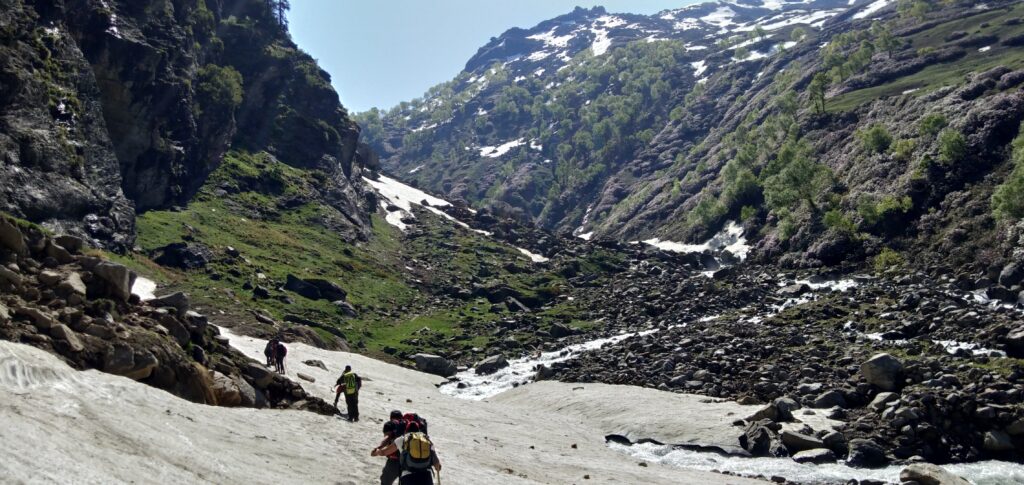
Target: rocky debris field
{"points": [[59, 296], [916, 367]]}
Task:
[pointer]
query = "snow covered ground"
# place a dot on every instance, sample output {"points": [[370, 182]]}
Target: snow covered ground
{"points": [[729, 238], [404, 197], [66, 426], [145, 288]]}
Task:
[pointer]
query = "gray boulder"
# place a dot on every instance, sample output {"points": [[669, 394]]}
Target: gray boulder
{"points": [[883, 371], [1011, 274], [928, 474], [800, 442], [5, 314], [830, 399], [73, 285], [435, 364], [226, 390], [63, 332], [179, 301], [558, 331], [816, 456], [998, 441], [12, 238], [881, 401], [119, 279], [122, 360], [761, 438], [866, 454], [1015, 342], [491, 365], [258, 375]]}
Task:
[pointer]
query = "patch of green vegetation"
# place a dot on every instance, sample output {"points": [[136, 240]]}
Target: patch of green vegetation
{"points": [[875, 138], [951, 73], [888, 259], [1008, 199]]}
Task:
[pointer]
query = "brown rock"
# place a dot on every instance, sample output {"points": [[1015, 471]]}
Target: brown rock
{"points": [[62, 332], [928, 474], [12, 238]]}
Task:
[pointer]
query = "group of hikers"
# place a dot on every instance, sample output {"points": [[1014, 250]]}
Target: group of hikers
{"points": [[275, 352], [407, 446]]}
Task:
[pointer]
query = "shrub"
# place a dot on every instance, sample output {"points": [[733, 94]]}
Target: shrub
{"points": [[888, 259], [874, 212], [952, 147], [932, 124], [748, 212], [903, 150], [835, 219], [876, 138], [219, 89], [742, 53], [1008, 199]]}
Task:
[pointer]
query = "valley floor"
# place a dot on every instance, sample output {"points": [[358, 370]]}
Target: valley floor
{"points": [[62, 425]]}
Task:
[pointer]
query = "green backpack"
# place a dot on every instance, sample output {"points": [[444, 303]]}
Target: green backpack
{"points": [[416, 452]]}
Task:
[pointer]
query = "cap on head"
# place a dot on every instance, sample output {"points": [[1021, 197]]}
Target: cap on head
{"points": [[348, 368], [396, 414]]}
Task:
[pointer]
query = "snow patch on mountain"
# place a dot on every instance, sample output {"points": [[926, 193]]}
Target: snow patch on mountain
{"points": [[497, 151], [871, 9]]}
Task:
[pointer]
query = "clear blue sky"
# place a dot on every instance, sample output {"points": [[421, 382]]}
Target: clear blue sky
{"points": [[382, 52]]}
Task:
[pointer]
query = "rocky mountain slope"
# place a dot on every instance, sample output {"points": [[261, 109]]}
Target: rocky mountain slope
{"points": [[832, 131], [109, 108]]}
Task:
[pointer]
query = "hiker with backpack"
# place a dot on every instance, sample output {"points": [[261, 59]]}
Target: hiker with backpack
{"points": [[404, 422], [279, 352], [392, 470], [416, 456], [269, 351], [349, 383]]}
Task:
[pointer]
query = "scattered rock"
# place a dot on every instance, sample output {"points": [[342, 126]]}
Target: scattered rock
{"points": [[883, 371], [306, 377], [12, 238], [928, 474], [434, 364], [998, 441], [178, 301], [62, 332], [816, 456], [800, 442], [315, 363], [866, 453], [491, 365], [119, 279]]}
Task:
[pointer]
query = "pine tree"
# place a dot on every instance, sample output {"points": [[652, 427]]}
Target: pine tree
{"points": [[280, 9]]}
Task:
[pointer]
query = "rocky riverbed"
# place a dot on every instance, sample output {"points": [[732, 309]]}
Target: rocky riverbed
{"points": [[914, 366]]}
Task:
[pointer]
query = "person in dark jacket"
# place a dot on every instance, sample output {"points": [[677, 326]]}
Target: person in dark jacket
{"points": [[409, 476], [279, 352], [269, 351], [392, 470], [349, 383]]}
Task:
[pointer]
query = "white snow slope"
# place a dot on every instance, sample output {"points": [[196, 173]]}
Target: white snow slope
{"points": [[64, 426]]}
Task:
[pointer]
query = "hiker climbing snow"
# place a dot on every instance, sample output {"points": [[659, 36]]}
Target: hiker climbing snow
{"points": [[349, 383], [280, 351], [416, 455]]}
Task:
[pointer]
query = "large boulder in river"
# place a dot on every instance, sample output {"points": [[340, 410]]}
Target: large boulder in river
{"points": [[928, 474], [491, 365], [435, 364], [883, 371], [866, 454]]}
